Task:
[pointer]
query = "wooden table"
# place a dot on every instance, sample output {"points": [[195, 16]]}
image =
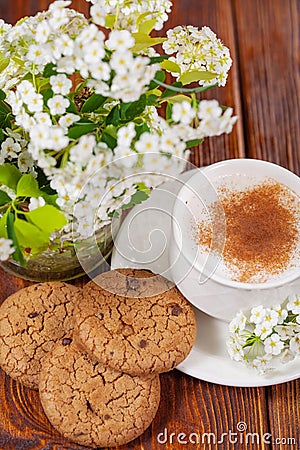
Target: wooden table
{"points": [[263, 88]]}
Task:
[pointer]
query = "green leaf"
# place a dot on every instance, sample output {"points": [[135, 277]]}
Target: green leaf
{"points": [[113, 117], [140, 129], [11, 234], [159, 76], [29, 236], [4, 62], [110, 20], [169, 111], [47, 218], [147, 26], [50, 199], [28, 187], [2, 95], [9, 175], [143, 41], [193, 143], [136, 108], [47, 94], [196, 75], [4, 198], [170, 66], [79, 130], [1, 135], [93, 102], [152, 99], [5, 115], [3, 225], [158, 59], [72, 108], [178, 99], [137, 197], [49, 70], [109, 136]]}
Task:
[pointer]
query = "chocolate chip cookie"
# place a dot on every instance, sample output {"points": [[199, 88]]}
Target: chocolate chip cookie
{"points": [[91, 404], [134, 321], [31, 321]]}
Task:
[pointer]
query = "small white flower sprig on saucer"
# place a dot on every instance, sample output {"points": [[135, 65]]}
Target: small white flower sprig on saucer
{"points": [[262, 335]]}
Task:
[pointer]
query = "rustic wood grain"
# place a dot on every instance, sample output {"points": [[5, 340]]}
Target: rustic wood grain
{"points": [[263, 89]]}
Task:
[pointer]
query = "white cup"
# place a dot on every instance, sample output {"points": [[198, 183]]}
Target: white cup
{"points": [[201, 276]]}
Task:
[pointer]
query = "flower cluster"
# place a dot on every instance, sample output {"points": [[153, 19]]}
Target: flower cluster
{"points": [[126, 14], [196, 51], [81, 137], [266, 333], [6, 249]]}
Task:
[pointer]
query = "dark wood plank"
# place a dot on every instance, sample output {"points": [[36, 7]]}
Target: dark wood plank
{"points": [[268, 53]]}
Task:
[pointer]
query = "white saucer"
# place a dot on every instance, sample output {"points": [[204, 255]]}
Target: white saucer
{"points": [[143, 242]]}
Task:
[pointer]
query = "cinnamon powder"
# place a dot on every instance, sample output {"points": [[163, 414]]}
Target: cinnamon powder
{"points": [[262, 234]]}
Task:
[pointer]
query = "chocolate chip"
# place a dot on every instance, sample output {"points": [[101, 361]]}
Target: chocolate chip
{"points": [[66, 341], [106, 417], [132, 284], [176, 310], [143, 343], [33, 315], [111, 353]]}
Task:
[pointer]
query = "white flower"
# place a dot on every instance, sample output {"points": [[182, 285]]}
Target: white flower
{"points": [[235, 349], [98, 14], [284, 331], [120, 40], [183, 112], [82, 152], [35, 103], [147, 143], [25, 161], [100, 70], [36, 203], [282, 313], [126, 134], [57, 139], [295, 344], [65, 45], [262, 363], [6, 249], [209, 108], [271, 318], [294, 304], [125, 156], [273, 345], [43, 118], [238, 323], [58, 105], [39, 136], [93, 53], [287, 356], [42, 32], [68, 120], [10, 148], [263, 329], [25, 89], [121, 61], [60, 84], [258, 314]]}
